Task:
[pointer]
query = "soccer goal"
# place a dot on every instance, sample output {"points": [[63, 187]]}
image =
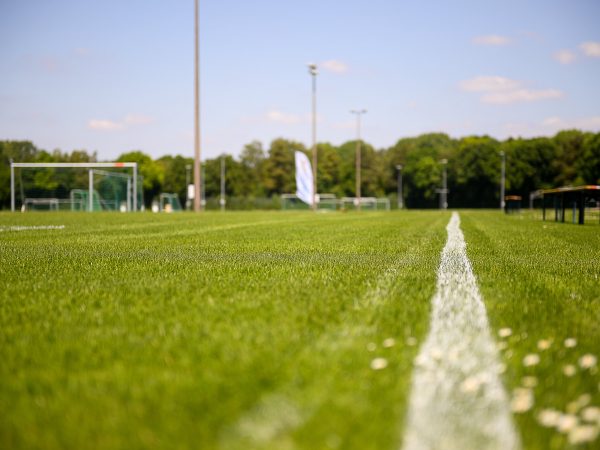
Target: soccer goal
{"points": [[366, 203], [324, 202], [169, 203], [75, 186]]}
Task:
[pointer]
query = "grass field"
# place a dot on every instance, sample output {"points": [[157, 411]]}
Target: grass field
{"points": [[271, 330]]}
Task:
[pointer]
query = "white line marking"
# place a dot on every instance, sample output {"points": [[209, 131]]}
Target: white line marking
{"points": [[34, 227], [457, 400]]}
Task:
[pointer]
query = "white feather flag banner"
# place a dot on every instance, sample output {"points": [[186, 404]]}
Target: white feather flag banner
{"points": [[304, 178]]}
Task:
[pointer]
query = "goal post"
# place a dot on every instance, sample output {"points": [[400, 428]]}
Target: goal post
{"points": [[91, 196]]}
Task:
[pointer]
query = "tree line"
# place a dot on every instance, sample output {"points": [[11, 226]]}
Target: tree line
{"points": [[260, 174]]}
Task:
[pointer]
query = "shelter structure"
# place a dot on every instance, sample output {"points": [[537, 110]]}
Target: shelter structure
{"points": [[512, 204], [560, 199]]}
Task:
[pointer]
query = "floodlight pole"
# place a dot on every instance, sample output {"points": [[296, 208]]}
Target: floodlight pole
{"points": [[502, 180], [222, 200], [400, 198], [358, 113], [312, 69], [135, 186], [444, 192], [12, 186], [188, 168], [197, 202]]}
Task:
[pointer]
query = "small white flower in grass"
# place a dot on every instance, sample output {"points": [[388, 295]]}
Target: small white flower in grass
{"points": [[583, 433], [548, 417], [529, 382], [522, 400], [544, 344], [532, 359], [569, 370], [566, 423], [570, 342], [436, 354], [389, 342], [371, 346], [504, 332], [591, 414], [379, 363], [470, 385], [587, 361], [411, 341]]}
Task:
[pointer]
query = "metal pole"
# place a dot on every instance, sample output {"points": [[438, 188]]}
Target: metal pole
{"points": [[222, 201], [91, 191], [358, 155], [400, 199], [444, 190], [135, 183], [12, 186], [203, 185], [197, 176], [188, 168], [502, 181], [128, 194], [312, 68]]}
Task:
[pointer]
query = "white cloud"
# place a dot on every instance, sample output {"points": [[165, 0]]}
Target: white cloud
{"points": [[335, 66], [521, 95], [591, 49], [491, 39], [104, 125], [489, 84], [502, 91], [137, 119], [281, 117], [583, 123], [565, 56], [111, 125]]}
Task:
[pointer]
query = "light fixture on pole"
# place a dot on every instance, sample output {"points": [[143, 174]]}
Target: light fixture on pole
{"points": [[502, 180], [197, 202], [359, 113], [400, 198], [312, 69]]}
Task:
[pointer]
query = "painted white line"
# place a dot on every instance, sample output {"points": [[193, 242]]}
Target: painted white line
{"points": [[34, 227], [457, 400]]}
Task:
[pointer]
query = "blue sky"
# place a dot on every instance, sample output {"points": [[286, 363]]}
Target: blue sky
{"points": [[117, 75]]}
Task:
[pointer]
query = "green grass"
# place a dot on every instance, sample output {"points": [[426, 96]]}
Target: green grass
{"points": [[541, 280], [256, 330], [245, 330]]}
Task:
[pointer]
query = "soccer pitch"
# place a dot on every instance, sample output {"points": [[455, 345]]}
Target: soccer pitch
{"points": [[278, 330]]}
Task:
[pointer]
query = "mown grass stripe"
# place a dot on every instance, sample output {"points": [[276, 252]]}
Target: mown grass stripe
{"points": [[457, 400]]}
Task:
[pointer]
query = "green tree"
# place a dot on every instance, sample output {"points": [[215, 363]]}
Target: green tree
{"points": [[252, 160], [16, 151], [152, 173], [279, 173], [476, 170], [588, 166]]}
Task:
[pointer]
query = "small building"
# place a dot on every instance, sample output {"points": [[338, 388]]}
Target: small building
{"points": [[512, 204]]}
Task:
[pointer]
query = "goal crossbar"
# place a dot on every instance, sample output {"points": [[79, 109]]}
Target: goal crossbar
{"points": [[81, 165]]}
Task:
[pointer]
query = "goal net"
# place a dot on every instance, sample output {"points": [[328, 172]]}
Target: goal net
{"points": [[324, 202], [75, 187], [169, 203], [366, 203]]}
